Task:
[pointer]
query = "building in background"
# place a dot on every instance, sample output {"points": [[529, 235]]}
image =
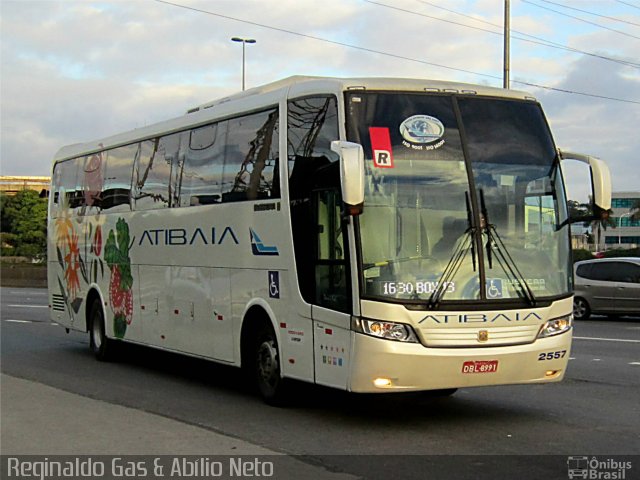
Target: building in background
{"points": [[11, 185], [627, 231]]}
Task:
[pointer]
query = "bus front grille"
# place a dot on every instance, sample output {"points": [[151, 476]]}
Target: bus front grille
{"points": [[479, 337]]}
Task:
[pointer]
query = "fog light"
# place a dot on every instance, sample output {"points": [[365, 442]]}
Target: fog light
{"points": [[382, 382], [551, 373]]}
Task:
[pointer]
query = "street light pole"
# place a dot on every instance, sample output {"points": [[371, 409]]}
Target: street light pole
{"points": [[244, 41], [506, 49]]}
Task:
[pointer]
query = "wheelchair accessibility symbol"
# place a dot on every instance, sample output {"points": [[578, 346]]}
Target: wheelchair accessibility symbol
{"points": [[274, 284], [494, 288]]}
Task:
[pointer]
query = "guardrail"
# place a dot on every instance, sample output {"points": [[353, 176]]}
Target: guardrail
{"points": [[23, 275]]}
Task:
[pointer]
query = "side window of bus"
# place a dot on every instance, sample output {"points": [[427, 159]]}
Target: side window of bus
{"points": [[76, 200], [251, 158], [116, 193], [202, 172], [312, 124], [65, 195], [93, 181], [155, 175]]}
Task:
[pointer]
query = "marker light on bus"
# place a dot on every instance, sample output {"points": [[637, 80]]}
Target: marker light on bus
{"points": [[556, 326], [388, 330]]}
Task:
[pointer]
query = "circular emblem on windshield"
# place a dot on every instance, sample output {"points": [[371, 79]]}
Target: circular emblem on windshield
{"points": [[422, 129]]}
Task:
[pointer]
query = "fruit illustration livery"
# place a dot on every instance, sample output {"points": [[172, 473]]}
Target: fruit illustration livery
{"points": [[116, 254]]}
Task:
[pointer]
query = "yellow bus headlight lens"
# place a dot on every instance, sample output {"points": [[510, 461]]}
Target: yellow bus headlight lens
{"points": [[556, 326]]}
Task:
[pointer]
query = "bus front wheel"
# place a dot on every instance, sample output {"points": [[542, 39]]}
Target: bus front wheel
{"points": [[267, 369]]}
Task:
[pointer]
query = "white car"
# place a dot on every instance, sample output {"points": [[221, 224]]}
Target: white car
{"points": [[609, 286]]}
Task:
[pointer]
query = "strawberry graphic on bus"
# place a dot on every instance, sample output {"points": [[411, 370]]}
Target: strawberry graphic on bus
{"points": [[116, 254]]}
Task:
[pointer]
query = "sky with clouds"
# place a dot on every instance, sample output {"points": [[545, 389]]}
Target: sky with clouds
{"points": [[73, 71]]}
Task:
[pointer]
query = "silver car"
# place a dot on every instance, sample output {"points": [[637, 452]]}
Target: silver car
{"points": [[609, 286]]}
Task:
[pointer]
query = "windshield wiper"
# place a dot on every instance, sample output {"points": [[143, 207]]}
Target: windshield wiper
{"points": [[484, 224], [503, 256], [470, 229], [455, 262]]}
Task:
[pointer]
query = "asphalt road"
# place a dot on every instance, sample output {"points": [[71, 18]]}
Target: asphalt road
{"points": [[497, 432]]}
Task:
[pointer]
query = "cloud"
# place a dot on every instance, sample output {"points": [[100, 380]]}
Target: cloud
{"points": [[603, 128]]}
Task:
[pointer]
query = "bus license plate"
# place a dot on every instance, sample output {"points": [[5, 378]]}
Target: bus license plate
{"points": [[480, 366]]}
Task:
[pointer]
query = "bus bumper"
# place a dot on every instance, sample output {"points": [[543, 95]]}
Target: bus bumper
{"points": [[379, 366]]}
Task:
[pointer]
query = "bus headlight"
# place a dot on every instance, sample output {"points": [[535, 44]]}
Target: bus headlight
{"points": [[399, 332], [556, 326]]}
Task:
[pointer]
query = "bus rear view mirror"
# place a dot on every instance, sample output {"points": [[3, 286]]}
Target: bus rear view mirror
{"points": [[600, 183], [351, 174]]}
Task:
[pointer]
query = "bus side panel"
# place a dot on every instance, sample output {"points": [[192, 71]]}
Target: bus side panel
{"points": [[218, 314], [296, 334], [198, 314], [332, 347], [153, 303], [187, 309]]}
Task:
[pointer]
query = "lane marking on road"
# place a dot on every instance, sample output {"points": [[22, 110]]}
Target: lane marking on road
{"points": [[634, 363], [623, 340], [29, 306], [18, 321], [16, 292]]}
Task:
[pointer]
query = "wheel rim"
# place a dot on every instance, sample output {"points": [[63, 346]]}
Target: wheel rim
{"points": [[96, 329], [579, 308], [267, 364]]}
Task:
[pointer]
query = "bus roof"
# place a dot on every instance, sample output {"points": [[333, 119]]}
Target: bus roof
{"points": [[330, 84], [270, 94]]}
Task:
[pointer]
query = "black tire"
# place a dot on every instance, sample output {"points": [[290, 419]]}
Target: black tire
{"points": [[581, 309], [98, 342], [266, 368]]}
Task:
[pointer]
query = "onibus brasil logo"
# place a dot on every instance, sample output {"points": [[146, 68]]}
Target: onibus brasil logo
{"points": [[596, 468]]}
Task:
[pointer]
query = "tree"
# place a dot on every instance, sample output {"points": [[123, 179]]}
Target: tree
{"points": [[602, 223], [24, 224]]}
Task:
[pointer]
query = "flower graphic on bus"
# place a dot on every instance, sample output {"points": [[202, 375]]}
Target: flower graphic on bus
{"points": [[96, 245], [72, 265], [68, 255], [116, 254]]}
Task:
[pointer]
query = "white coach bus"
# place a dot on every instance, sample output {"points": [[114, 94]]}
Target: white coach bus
{"points": [[373, 235]]}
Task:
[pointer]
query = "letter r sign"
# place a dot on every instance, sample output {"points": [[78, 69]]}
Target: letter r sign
{"points": [[382, 158], [381, 146]]}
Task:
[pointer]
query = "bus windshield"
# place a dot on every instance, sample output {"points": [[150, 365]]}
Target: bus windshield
{"points": [[461, 192]]}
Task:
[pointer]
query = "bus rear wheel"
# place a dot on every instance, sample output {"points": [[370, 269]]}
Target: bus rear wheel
{"points": [[267, 368], [98, 342]]}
